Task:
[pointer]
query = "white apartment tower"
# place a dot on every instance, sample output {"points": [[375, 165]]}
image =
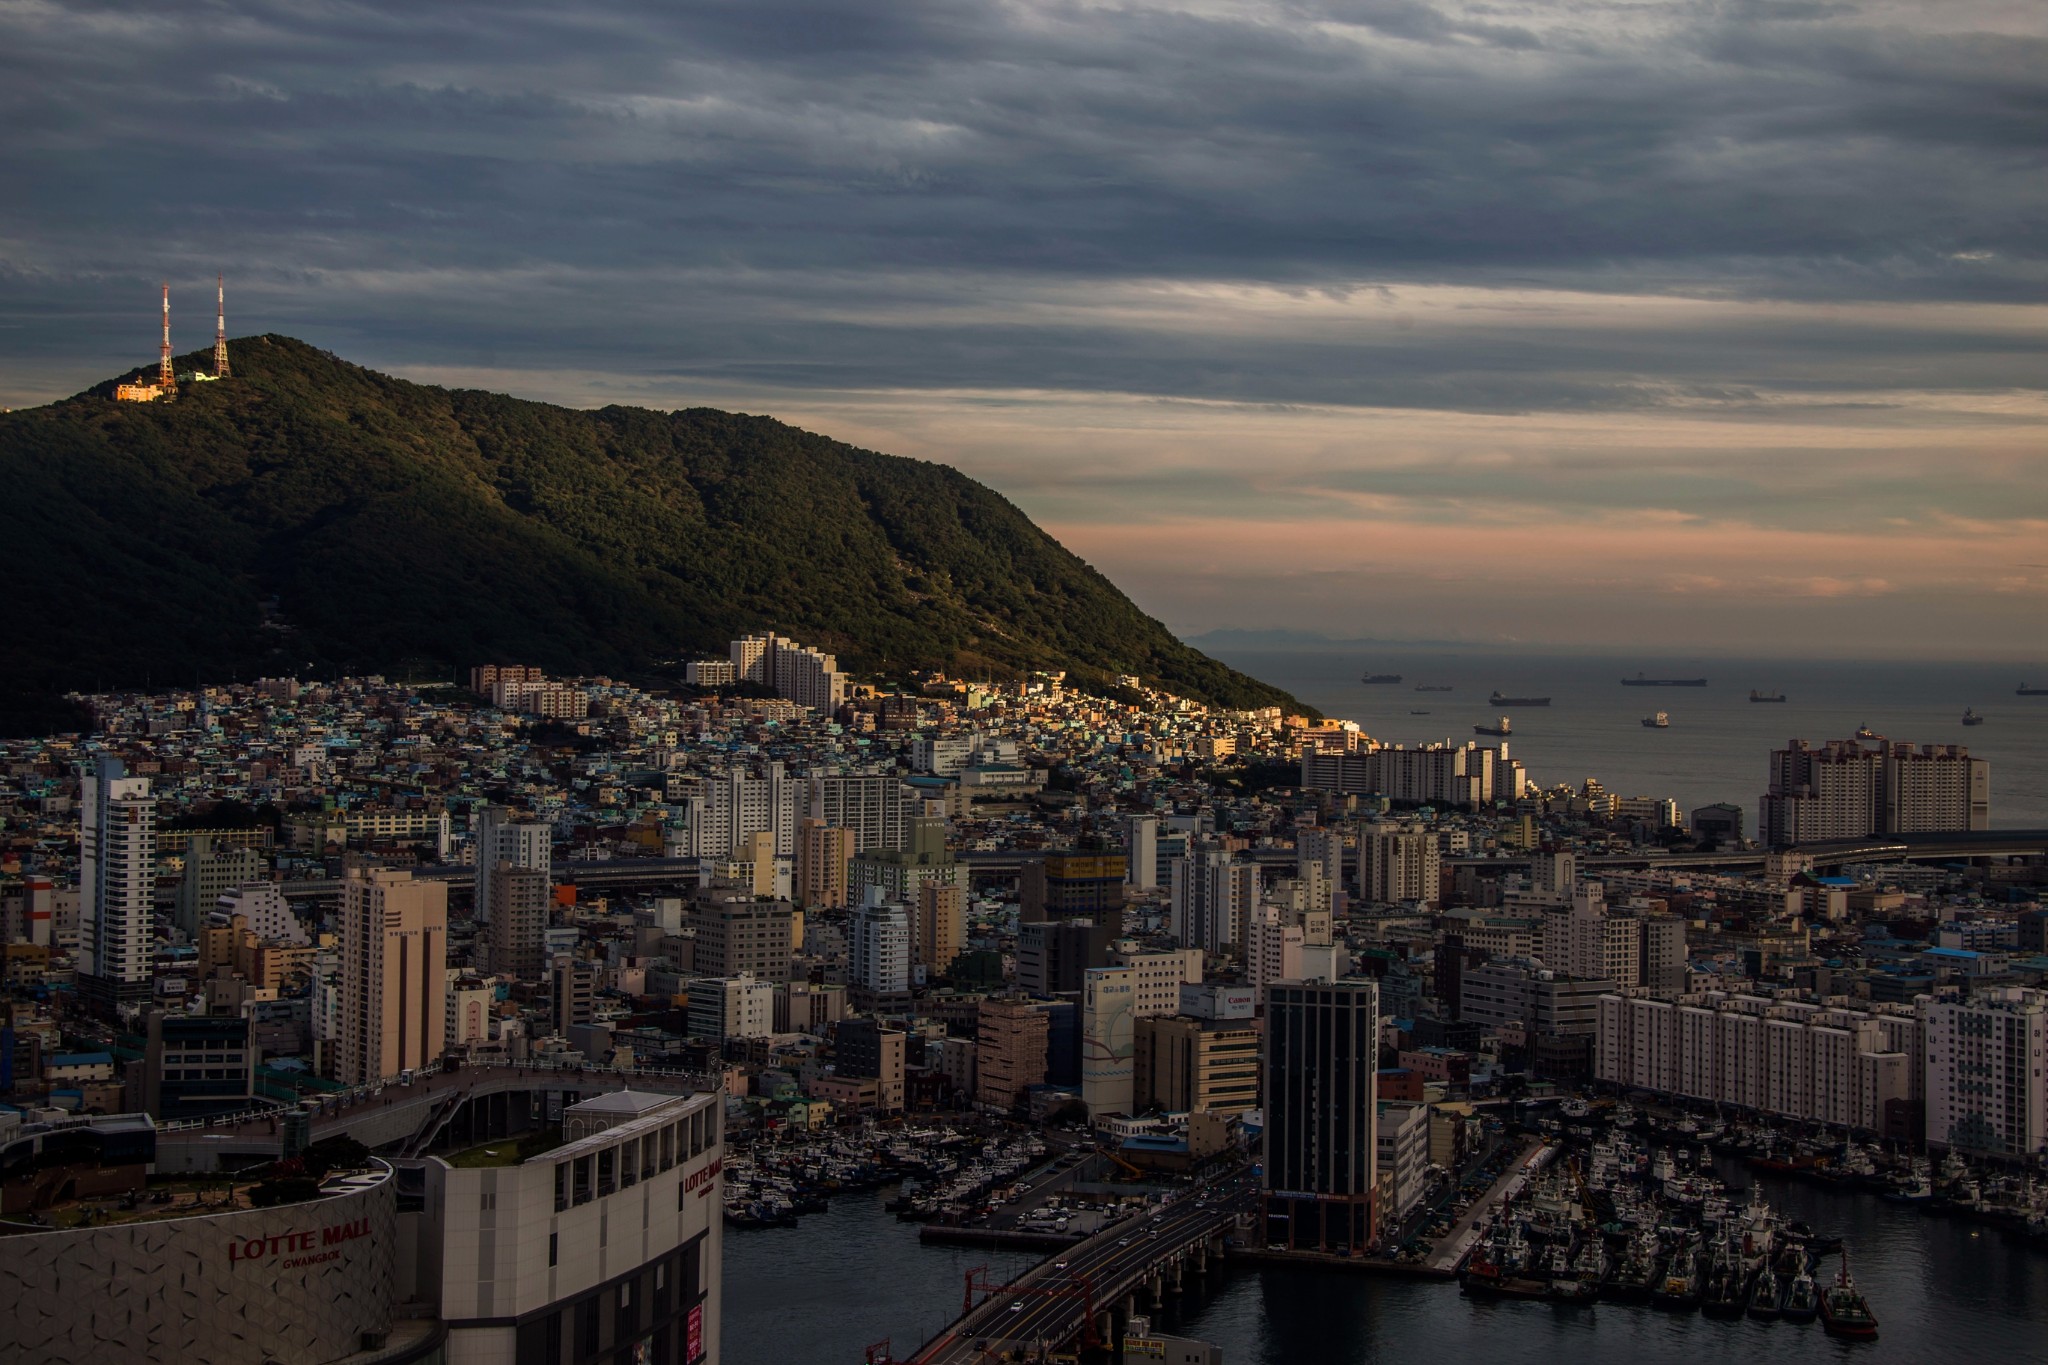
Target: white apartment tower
{"points": [[1399, 864], [506, 840], [1846, 789], [1985, 1058], [1211, 897], [732, 805], [1141, 852], [878, 949], [117, 882]]}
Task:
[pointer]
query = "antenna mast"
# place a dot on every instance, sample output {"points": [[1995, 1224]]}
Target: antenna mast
{"points": [[164, 375], [220, 328]]}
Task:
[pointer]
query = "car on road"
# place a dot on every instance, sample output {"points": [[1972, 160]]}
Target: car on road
{"points": [[1123, 1241], [1059, 1265], [1017, 1307]]}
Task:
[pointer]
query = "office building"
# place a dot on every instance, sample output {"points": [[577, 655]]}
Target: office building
{"points": [[394, 970], [504, 839], [1850, 789], [822, 854], [1985, 1087], [1320, 1067], [738, 935], [1108, 1039], [941, 929], [1399, 864], [1011, 1040], [863, 1049], [731, 1007], [1186, 1065], [1054, 955], [197, 1066], [574, 1000], [896, 875], [1071, 886], [1404, 1152], [1552, 1003], [1157, 974], [515, 935], [117, 877]]}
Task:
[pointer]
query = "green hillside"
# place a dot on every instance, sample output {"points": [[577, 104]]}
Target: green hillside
{"points": [[312, 515]]}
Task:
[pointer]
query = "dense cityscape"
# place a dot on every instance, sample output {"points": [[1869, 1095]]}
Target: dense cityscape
{"points": [[344, 1017]]}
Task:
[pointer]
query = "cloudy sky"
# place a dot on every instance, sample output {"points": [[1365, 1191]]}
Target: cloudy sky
{"points": [[1716, 325]]}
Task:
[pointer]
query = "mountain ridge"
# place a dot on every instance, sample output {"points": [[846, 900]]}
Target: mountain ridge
{"points": [[311, 513]]}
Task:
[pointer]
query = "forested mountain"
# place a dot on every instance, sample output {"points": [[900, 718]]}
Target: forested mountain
{"points": [[310, 515]]}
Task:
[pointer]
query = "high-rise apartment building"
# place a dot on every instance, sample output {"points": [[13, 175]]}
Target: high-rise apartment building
{"points": [[1321, 848], [1141, 852], [1848, 789], [878, 953], [875, 808], [731, 805], [394, 979], [822, 854], [1273, 949], [895, 876], [1070, 885], [863, 1048], [117, 880], [504, 839], [574, 998], [1320, 1066], [1467, 774], [941, 929], [1399, 864], [210, 870], [1009, 1052], [806, 676], [1157, 974], [1108, 1039], [1053, 956], [1211, 896], [1987, 1071], [515, 936], [724, 1007]]}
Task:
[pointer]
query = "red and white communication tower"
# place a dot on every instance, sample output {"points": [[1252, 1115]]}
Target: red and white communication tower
{"points": [[220, 327], [164, 375]]}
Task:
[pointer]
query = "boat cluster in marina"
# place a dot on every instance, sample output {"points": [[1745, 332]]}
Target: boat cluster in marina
{"points": [[1624, 1221], [773, 1179]]}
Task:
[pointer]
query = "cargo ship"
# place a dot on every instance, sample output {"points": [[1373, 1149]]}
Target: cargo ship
{"points": [[1500, 698], [1381, 678], [1435, 687], [1755, 695], [1505, 727], [2025, 691], [1640, 680]]}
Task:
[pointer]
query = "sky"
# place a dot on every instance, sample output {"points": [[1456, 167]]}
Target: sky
{"points": [[1674, 325]]}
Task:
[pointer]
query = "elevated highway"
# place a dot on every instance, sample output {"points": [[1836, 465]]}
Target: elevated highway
{"points": [[1089, 1291]]}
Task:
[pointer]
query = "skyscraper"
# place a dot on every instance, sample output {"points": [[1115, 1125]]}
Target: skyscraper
{"points": [[822, 854], [1108, 1039], [1141, 852], [878, 955], [394, 958], [116, 879], [1321, 1063], [1211, 898]]}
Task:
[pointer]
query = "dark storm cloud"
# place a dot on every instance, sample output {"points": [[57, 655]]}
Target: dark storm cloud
{"points": [[680, 188]]}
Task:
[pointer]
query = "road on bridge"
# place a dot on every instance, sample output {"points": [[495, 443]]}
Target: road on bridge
{"points": [[1045, 1305]]}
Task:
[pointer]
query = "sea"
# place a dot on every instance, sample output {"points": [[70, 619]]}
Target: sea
{"points": [[1718, 744], [1943, 1290]]}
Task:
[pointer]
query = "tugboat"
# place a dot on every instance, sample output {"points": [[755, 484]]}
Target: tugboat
{"points": [[1767, 1300], [1802, 1300], [1844, 1312], [1505, 727], [1970, 716], [1660, 721], [1679, 1290]]}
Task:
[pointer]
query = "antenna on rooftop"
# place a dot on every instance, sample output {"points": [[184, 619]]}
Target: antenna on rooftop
{"points": [[220, 327], [164, 375]]}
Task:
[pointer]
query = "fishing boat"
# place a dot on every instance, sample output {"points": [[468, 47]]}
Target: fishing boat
{"points": [[1802, 1300], [1845, 1312], [1505, 727], [1679, 1290], [1660, 721], [1970, 716], [1767, 1300]]}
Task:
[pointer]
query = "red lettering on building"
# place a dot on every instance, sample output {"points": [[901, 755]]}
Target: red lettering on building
{"points": [[289, 1243], [700, 1180]]}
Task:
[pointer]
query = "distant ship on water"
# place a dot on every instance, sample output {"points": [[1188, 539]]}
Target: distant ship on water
{"points": [[1660, 721], [1755, 695], [1506, 727], [1381, 678], [1643, 680], [2025, 691], [1500, 698], [1448, 687], [1970, 716]]}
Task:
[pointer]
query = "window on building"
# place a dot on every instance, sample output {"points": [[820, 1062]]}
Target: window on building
{"points": [[554, 1247]]}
